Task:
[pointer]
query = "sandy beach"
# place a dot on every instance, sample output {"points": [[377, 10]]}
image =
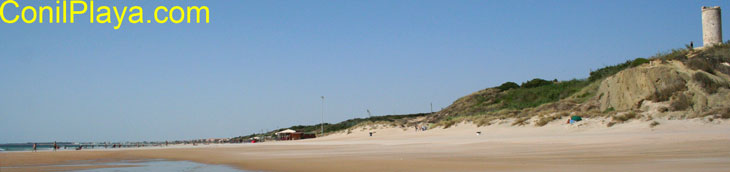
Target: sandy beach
{"points": [[674, 145]]}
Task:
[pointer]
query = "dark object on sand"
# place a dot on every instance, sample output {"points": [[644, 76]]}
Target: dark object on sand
{"points": [[576, 118]]}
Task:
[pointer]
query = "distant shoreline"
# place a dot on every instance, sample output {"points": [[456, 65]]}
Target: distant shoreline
{"points": [[672, 145]]}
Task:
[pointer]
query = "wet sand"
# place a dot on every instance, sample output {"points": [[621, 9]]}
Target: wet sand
{"points": [[679, 145]]}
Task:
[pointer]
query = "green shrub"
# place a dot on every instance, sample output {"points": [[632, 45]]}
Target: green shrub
{"points": [[723, 112], [508, 85], [722, 68], [397, 120], [537, 82], [609, 109], [532, 97], [674, 54], [625, 117], [521, 121], [606, 71], [547, 119], [710, 60], [681, 102], [653, 124], [707, 83], [448, 123], [483, 121], [672, 87], [639, 61], [719, 53], [610, 124], [699, 63], [611, 70]]}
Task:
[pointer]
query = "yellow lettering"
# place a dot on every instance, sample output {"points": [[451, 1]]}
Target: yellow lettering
{"points": [[64, 11], [158, 19], [2, 11], [197, 12], [58, 13], [106, 14], [139, 15], [23, 14], [73, 9], [91, 11], [120, 19], [182, 14], [50, 13]]}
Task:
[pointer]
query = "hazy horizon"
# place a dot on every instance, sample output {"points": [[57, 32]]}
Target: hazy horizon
{"points": [[264, 65]]}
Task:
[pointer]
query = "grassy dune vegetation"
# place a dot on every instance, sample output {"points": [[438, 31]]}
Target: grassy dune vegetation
{"points": [[395, 120], [530, 98]]}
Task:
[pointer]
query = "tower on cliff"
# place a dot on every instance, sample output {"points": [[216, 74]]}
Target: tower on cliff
{"points": [[711, 26]]}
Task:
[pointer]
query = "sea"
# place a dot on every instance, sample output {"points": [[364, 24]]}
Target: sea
{"points": [[146, 165], [138, 166], [163, 165], [23, 147], [47, 147]]}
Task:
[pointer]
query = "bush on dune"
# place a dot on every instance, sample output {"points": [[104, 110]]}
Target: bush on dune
{"points": [[653, 124], [708, 84], [547, 119], [681, 102], [638, 61], [611, 70], [672, 87], [508, 86], [535, 96], [521, 121], [537, 82]]}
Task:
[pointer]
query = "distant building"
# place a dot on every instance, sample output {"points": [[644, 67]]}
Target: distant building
{"points": [[290, 134], [711, 26], [217, 140]]}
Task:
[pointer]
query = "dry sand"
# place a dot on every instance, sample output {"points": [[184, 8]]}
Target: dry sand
{"points": [[674, 145]]}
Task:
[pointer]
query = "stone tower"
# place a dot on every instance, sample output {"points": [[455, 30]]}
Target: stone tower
{"points": [[711, 26]]}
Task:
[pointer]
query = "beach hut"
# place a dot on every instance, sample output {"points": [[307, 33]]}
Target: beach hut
{"points": [[285, 135], [289, 134], [309, 135], [303, 135], [286, 131]]}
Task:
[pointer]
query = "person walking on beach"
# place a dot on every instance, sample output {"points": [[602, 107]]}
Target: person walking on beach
{"points": [[35, 147], [55, 146]]}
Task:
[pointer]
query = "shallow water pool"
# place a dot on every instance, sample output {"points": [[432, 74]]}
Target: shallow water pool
{"points": [[163, 165]]}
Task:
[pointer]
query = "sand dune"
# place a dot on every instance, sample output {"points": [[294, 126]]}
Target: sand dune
{"points": [[674, 145]]}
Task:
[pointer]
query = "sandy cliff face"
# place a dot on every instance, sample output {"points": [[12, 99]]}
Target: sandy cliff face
{"points": [[684, 84], [671, 83]]}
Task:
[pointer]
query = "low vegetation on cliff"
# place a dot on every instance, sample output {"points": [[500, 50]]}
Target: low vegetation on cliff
{"points": [[670, 79], [392, 120], [685, 82]]}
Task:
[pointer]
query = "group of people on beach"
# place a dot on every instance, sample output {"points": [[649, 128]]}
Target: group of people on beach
{"points": [[56, 147], [422, 128], [35, 146]]}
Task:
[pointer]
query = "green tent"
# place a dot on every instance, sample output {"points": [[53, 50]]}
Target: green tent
{"points": [[576, 118]]}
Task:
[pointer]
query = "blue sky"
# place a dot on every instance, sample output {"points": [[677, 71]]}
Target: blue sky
{"points": [[260, 65]]}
